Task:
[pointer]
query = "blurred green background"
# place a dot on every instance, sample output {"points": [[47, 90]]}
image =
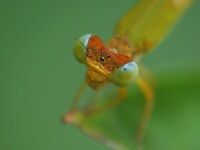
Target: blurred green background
{"points": [[39, 75]]}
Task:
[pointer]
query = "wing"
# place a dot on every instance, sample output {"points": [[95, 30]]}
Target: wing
{"points": [[147, 23]]}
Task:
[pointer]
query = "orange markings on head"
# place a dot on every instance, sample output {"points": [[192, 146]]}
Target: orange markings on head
{"points": [[121, 59], [97, 51]]}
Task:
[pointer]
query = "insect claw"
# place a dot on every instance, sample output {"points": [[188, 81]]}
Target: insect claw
{"points": [[68, 117]]}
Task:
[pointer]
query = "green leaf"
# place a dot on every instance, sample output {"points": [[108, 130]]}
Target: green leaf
{"points": [[146, 24], [118, 126]]}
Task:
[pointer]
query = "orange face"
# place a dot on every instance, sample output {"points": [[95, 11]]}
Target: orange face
{"points": [[102, 62], [109, 59]]}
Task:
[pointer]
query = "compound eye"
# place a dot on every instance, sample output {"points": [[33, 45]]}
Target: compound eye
{"points": [[80, 48], [125, 75]]}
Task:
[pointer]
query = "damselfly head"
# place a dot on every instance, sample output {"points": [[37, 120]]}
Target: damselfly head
{"points": [[103, 64]]}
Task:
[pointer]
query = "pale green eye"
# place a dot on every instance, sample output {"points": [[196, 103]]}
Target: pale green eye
{"points": [[80, 48], [125, 75]]}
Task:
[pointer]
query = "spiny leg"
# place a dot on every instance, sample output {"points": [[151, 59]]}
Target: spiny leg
{"points": [[149, 101], [110, 104], [77, 96], [68, 117]]}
